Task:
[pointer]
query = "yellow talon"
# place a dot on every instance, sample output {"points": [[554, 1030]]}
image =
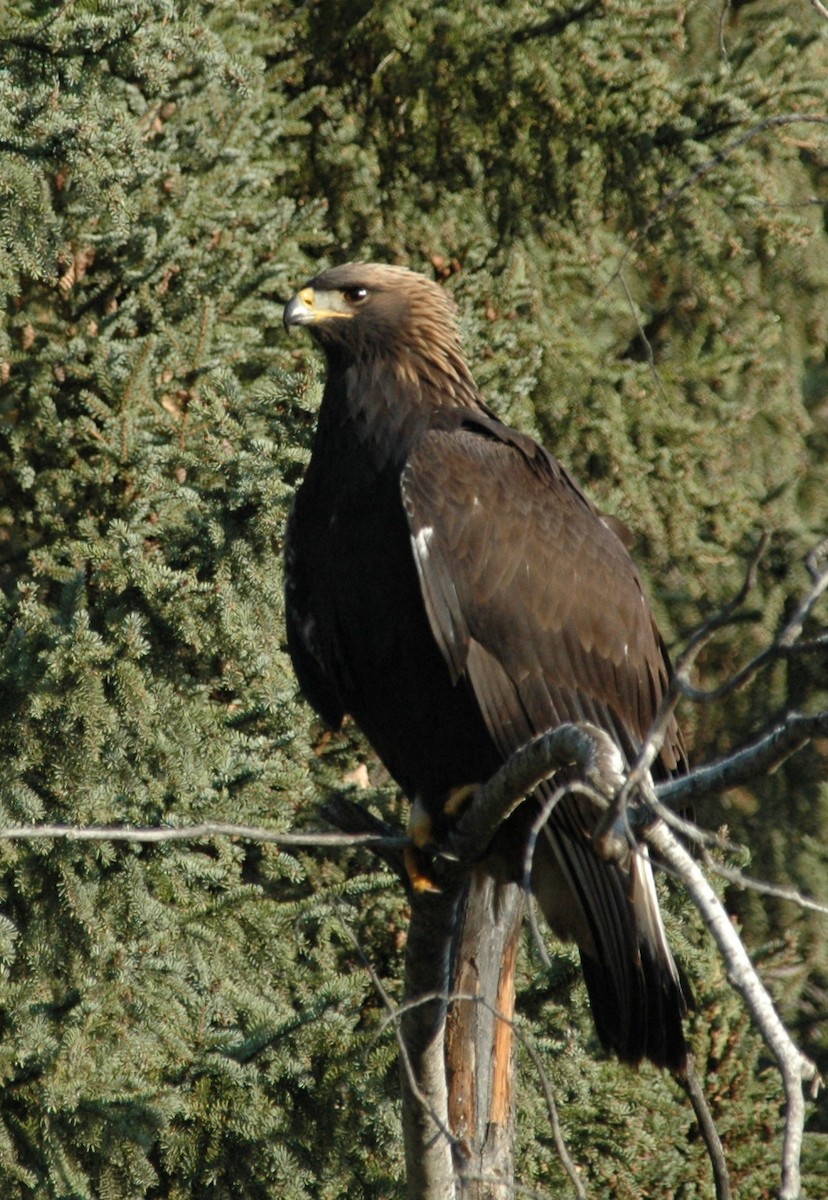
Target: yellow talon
{"points": [[416, 866], [457, 799], [421, 832]]}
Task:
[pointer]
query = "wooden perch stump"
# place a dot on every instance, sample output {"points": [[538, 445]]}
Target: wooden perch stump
{"points": [[458, 1067], [480, 1043]]}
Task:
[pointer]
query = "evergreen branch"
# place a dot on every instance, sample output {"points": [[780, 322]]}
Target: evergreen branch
{"points": [[555, 26], [70, 48], [705, 168]]}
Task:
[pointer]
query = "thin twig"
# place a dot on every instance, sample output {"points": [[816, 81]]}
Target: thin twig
{"points": [[680, 685], [786, 641], [645, 341], [666, 710], [205, 829], [723, 11], [748, 883], [691, 1084]]}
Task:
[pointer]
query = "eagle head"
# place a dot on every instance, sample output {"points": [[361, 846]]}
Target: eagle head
{"points": [[362, 311]]}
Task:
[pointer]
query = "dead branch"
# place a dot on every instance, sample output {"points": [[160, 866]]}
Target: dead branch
{"points": [[757, 758], [691, 1084], [794, 1067], [597, 759], [786, 642], [395, 1013], [316, 839], [432, 1152], [419, 1027], [748, 883]]}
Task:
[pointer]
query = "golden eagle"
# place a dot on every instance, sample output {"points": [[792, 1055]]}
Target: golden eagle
{"points": [[450, 586]]}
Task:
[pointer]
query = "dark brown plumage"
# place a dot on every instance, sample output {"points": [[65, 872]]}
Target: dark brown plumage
{"points": [[450, 587]]}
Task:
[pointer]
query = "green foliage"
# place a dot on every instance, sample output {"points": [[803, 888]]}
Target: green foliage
{"points": [[610, 194], [634, 1134]]}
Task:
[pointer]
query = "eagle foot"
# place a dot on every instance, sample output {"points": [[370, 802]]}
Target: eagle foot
{"points": [[417, 858], [458, 798], [418, 870]]}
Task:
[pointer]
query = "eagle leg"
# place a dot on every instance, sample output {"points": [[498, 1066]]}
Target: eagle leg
{"points": [[421, 832]]}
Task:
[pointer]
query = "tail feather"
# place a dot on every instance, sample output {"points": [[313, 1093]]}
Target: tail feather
{"points": [[637, 993]]}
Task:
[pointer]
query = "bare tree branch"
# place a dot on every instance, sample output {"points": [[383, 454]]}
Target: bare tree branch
{"points": [[747, 883], [433, 1154], [425, 1120], [749, 762], [785, 642], [205, 829], [530, 1048], [597, 758], [691, 1084], [633, 810], [794, 1067]]}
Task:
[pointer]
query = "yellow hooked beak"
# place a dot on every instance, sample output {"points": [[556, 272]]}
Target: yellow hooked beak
{"points": [[309, 306]]}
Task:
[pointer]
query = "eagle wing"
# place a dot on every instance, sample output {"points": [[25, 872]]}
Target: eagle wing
{"points": [[536, 604], [529, 593]]}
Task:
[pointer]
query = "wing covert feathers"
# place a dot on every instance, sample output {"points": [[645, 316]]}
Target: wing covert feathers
{"points": [[533, 599]]}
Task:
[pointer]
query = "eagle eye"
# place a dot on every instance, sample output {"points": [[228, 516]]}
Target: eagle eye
{"points": [[355, 294]]}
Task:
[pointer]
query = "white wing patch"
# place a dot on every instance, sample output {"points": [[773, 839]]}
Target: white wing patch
{"points": [[440, 598], [422, 541]]}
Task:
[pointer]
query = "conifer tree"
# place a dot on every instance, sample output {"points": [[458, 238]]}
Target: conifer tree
{"points": [[621, 208]]}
